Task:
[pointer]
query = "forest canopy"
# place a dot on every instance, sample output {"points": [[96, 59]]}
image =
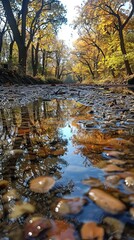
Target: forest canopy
{"points": [[28, 26], [106, 38]]}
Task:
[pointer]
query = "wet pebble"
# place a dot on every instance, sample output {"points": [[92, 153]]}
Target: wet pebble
{"points": [[113, 168], [42, 184], [70, 206], [114, 154], [93, 182], [113, 179], [60, 230], [3, 184], [106, 201], [21, 208], [35, 225], [11, 194], [113, 227], [119, 143], [116, 161], [91, 231], [15, 233], [126, 174], [129, 181]]}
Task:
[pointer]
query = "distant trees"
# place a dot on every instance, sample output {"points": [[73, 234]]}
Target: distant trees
{"points": [[27, 18], [50, 56], [61, 59]]}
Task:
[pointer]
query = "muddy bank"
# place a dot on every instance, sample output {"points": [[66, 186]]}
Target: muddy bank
{"points": [[8, 77]]}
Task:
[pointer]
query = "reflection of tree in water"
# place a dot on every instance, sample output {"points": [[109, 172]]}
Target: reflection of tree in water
{"points": [[38, 146], [33, 132], [35, 146], [92, 142]]}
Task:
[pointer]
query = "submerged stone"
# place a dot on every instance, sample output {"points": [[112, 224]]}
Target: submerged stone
{"points": [[3, 184], [106, 201], [129, 181], [91, 231], [41, 184], [11, 194], [113, 168], [114, 227], [70, 206], [60, 230], [35, 225], [21, 208]]}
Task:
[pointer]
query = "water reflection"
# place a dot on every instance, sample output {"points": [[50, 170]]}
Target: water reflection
{"points": [[63, 139]]}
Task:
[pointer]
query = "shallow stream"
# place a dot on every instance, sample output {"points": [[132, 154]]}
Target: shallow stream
{"points": [[83, 139]]}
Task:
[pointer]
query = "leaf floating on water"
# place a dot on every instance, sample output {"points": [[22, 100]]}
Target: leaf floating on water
{"points": [[113, 168], [61, 230], [113, 227], [70, 206], [90, 230], [93, 182], [35, 225], [20, 208], [116, 161], [41, 184], [106, 201]]}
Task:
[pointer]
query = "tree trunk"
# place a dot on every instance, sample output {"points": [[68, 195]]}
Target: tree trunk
{"points": [[17, 36], [113, 72], [1, 39], [90, 70], [123, 50], [22, 60], [35, 61], [57, 71], [43, 62], [0, 45], [11, 54], [58, 63]]}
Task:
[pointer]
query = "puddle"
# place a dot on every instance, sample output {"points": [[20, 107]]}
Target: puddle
{"points": [[82, 147]]}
